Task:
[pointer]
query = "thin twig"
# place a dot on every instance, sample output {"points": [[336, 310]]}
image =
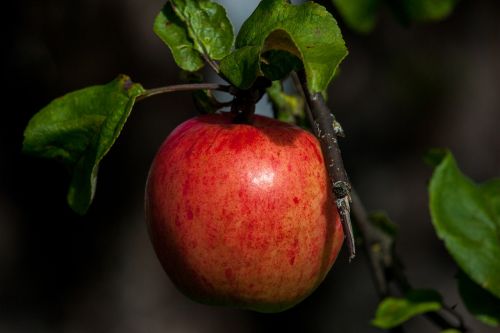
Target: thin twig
{"points": [[327, 130], [386, 266], [375, 244], [185, 87]]}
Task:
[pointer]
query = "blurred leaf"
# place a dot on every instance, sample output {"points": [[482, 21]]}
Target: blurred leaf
{"points": [[307, 31], [359, 15], [467, 218], [393, 311], [428, 10], [208, 26], [491, 189], [173, 32], [451, 330], [482, 304], [434, 156], [288, 108], [384, 223], [79, 129]]}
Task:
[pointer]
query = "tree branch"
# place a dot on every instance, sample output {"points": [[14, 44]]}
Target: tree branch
{"points": [[327, 130], [385, 265]]}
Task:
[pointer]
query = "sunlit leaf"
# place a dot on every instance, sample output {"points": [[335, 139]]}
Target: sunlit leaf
{"points": [[394, 311]]}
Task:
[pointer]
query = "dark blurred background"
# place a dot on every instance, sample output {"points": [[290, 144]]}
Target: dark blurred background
{"points": [[401, 91]]}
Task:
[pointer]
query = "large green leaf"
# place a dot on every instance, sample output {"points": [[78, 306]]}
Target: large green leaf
{"points": [[79, 129], [208, 26], [173, 32], [306, 31], [481, 303], [394, 311], [192, 28], [466, 217], [359, 15]]}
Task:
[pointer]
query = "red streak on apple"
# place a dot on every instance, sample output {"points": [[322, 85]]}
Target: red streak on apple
{"points": [[242, 215]]}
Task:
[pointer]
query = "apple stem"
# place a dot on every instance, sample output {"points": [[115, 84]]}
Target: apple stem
{"points": [[187, 87], [327, 129], [243, 105]]}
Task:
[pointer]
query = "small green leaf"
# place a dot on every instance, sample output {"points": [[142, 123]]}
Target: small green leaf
{"points": [[306, 31], [451, 330], [482, 304], [359, 15], [241, 67], [393, 311], [288, 108], [467, 218], [79, 129], [173, 32], [208, 26]]}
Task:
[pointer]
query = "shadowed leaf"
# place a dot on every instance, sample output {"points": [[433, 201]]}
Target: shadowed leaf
{"points": [[306, 31], [79, 128], [482, 304], [466, 217]]}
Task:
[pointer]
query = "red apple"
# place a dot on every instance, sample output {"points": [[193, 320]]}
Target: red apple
{"points": [[242, 215]]}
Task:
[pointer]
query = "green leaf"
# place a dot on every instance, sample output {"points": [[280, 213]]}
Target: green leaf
{"points": [[307, 31], [451, 330], [173, 32], [192, 28], [288, 108], [79, 129], [359, 15], [241, 67], [428, 10], [482, 304], [277, 64], [393, 311], [208, 26], [466, 217]]}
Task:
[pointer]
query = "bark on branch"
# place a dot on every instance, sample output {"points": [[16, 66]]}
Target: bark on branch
{"points": [[327, 130], [385, 265]]}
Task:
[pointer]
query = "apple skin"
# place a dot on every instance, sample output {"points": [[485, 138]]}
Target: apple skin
{"points": [[242, 215]]}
